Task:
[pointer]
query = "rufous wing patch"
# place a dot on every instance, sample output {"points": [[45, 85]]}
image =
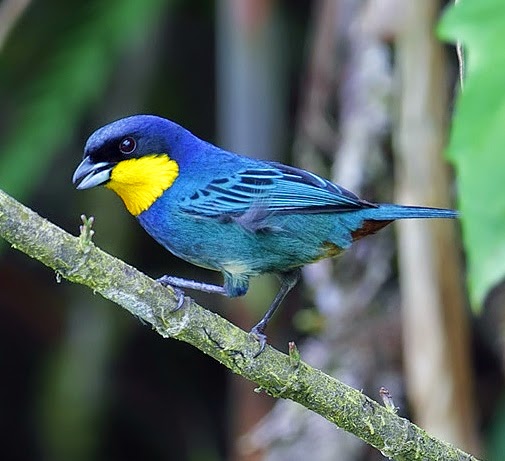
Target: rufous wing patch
{"points": [[369, 227]]}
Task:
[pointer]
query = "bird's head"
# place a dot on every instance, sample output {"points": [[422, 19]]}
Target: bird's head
{"points": [[137, 157]]}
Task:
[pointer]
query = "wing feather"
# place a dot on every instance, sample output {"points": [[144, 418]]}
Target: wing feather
{"points": [[276, 188]]}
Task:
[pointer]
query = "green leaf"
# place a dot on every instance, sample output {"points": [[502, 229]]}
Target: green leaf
{"points": [[477, 143]]}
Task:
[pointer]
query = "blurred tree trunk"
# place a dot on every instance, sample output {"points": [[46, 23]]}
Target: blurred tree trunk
{"points": [[435, 325], [251, 70]]}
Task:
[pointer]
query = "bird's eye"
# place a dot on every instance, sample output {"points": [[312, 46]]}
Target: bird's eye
{"points": [[127, 145]]}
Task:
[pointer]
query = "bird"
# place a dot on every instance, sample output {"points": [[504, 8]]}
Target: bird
{"points": [[227, 212]]}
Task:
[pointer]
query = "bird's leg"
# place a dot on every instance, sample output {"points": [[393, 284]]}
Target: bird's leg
{"points": [[178, 284], [288, 281], [191, 284]]}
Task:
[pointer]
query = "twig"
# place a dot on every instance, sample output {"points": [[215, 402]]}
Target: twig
{"points": [[273, 371], [461, 60]]}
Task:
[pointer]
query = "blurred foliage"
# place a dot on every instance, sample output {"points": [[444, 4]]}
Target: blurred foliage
{"points": [[478, 137], [66, 85], [496, 441]]}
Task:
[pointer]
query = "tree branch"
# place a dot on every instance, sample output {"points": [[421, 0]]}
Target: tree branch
{"points": [[280, 375]]}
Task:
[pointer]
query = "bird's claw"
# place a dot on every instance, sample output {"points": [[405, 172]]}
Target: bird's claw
{"points": [[180, 298], [165, 281], [261, 337]]}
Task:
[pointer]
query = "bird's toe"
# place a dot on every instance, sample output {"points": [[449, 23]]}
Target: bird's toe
{"points": [[180, 298], [261, 337], [179, 293]]}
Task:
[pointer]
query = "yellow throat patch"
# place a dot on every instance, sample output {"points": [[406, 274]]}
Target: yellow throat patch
{"points": [[141, 181]]}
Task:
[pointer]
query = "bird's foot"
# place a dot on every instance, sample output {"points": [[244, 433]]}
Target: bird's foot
{"points": [[180, 298], [258, 333], [165, 281]]}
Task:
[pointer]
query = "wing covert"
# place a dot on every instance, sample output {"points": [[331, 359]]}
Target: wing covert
{"points": [[275, 188]]}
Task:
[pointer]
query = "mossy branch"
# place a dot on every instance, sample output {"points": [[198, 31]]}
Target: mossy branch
{"points": [[280, 375]]}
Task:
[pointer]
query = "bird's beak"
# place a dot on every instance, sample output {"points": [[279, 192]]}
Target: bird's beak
{"points": [[89, 174]]}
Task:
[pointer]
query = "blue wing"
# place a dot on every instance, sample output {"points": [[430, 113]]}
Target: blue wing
{"points": [[276, 188]]}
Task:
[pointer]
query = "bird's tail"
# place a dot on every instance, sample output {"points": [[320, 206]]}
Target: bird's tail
{"points": [[389, 212]]}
